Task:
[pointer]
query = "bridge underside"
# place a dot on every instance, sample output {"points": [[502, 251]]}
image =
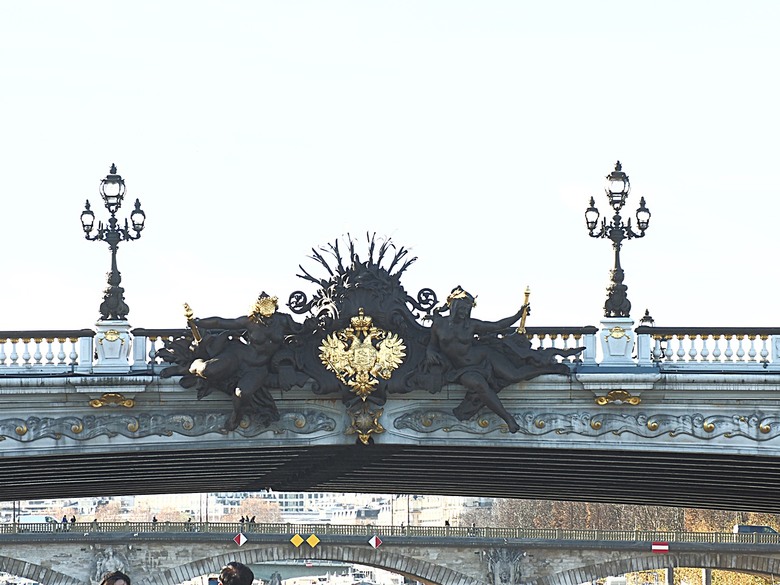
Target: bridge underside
{"points": [[652, 478]]}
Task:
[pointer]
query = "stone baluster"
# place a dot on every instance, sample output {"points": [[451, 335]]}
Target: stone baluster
{"points": [[680, 347], [49, 351], [705, 350], [752, 351], [693, 350], [658, 354], [61, 353], [764, 349], [73, 355], [152, 349], [716, 352], [3, 357], [729, 353], [740, 348], [37, 355]]}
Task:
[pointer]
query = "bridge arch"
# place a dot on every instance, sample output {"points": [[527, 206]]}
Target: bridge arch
{"points": [[739, 562], [35, 572], [405, 565]]}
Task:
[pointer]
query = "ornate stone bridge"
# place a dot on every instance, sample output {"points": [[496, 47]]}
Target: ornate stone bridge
{"points": [[372, 389], [692, 419], [174, 553]]}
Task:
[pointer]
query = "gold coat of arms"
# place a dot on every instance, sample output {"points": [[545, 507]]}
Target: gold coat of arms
{"points": [[361, 354]]}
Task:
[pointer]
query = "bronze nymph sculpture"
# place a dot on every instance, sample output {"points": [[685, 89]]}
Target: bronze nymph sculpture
{"points": [[471, 352], [242, 357], [364, 340]]}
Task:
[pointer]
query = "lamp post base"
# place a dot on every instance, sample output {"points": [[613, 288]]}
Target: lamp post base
{"points": [[112, 346], [617, 341]]}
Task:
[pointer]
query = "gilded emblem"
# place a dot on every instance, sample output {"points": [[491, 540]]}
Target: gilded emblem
{"points": [[365, 422], [361, 354], [618, 397]]}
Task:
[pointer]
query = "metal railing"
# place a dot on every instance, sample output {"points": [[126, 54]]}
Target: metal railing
{"points": [[368, 530]]}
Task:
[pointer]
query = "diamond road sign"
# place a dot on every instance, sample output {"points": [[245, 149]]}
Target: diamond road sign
{"points": [[375, 541]]}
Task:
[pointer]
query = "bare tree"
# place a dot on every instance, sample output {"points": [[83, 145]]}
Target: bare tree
{"points": [[262, 509]]}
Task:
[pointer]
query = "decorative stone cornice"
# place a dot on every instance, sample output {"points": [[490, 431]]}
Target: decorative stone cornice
{"points": [[140, 425], [753, 426]]}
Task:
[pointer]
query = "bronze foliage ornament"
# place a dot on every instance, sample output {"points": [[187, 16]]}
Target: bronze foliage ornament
{"points": [[364, 339], [359, 355], [365, 422]]}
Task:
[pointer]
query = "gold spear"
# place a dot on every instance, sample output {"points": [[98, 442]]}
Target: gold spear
{"points": [[524, 314], [188, 314]]}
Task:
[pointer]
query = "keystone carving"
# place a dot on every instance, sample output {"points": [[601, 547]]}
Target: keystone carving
{"points": [[503, 566]]}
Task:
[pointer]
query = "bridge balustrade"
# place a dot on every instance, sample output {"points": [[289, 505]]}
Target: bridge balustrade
{"points": [[368, 530], [65, 351], [44, 351], [709, 346]]}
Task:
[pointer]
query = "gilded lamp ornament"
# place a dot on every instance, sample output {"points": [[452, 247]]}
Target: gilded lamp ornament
{"points": [[361, 354]]}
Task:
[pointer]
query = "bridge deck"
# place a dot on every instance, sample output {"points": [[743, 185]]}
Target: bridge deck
{"points": [[671, 479]]}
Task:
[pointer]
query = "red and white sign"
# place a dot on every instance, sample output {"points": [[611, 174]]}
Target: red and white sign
{"points": [[240, 539], [660, 547], [375, 541]]}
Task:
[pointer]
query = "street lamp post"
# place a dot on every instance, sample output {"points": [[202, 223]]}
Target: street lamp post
{"points": [[112, 189], [616, 343], [112, 335], [618, 186]]}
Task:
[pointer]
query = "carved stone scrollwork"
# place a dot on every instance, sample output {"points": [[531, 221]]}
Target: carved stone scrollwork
{"points": [[754, 427], [503, 566], [301, 422]]}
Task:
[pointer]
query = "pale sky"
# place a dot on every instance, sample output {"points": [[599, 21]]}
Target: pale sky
{"points": [[473, 133]]}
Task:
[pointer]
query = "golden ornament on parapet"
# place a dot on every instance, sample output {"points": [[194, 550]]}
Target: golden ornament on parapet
{"points": [[361, 354]]}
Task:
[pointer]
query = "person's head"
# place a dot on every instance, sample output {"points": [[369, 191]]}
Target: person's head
{"points": [[235, 573], [461, 302], [115, 578], [265, 306]]}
